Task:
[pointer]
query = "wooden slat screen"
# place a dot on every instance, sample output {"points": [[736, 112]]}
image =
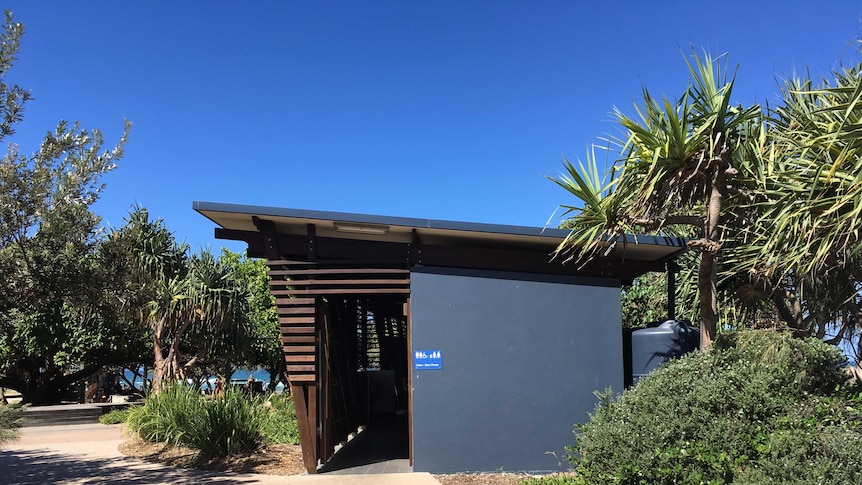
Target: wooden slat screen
{"points": [[296, 285]]}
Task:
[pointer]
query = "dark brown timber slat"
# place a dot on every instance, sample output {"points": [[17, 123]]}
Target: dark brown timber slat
{"points": [[322, 282], [335, 271], [295, 301], [299, 349], [299, 339], [303, 378], [307, 435], [288, 303], [343, 291], [297, 310], [301, 368], [312, 417], [300, 358], [294, 320], [292, 330]]}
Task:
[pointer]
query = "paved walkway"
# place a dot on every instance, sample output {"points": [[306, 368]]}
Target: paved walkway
{"points": [[87, 454]]}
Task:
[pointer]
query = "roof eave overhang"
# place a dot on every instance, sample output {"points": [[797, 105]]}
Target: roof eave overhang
{"points": [[431, 242]]}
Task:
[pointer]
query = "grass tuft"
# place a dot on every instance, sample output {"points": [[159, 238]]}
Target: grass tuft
{"points": [[11, 419], [116, 416], [228, 425]]}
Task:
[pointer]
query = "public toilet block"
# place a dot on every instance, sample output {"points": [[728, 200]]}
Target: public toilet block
{"points": [[470, 337]]}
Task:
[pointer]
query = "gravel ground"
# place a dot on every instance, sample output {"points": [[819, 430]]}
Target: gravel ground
{"points": [[480, 479]]}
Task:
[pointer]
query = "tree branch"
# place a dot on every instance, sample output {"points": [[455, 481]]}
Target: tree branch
{"points": [[705, 245], [784, 311]]}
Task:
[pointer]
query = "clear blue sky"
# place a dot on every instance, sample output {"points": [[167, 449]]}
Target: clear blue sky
{"points": [[445, 109]]}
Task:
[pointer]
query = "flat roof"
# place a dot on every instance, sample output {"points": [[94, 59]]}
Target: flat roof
{"points": [[211, 208], [367, 227]]}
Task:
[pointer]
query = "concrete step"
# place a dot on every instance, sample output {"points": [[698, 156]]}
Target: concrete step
{"points": [[67, 413]]}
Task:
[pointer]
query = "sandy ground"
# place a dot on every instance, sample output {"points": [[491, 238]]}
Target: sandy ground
{"points": [[283, 460], [88, 454], [38, 435]]}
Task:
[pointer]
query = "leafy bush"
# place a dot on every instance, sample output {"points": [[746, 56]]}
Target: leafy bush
{"points": [[11, 418], [279, 420], [116, 416], [219, 427], [762, 407]]}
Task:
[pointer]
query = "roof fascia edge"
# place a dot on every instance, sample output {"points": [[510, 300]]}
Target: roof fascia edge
{"points": [[202, 207]]}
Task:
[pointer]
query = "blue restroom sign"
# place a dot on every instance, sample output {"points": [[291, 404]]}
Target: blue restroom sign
{"points": [[427, 360]]}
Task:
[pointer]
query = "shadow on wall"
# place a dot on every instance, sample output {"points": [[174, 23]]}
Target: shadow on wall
{"points": [[646, 349]]}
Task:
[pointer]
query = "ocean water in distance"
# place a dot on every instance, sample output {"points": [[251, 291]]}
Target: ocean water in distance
{"points": [[240, 376]]}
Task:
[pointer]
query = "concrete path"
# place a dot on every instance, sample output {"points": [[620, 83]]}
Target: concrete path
{"points": [[87, 454]]}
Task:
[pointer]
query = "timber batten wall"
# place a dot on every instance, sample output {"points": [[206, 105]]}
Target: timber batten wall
{"points": [[323, 310]]}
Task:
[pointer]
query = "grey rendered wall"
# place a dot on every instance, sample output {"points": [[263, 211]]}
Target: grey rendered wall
{"points": [[521, 357]]}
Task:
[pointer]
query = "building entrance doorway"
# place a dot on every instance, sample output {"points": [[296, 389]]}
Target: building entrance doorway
{"points": [[365, 380], [345, 335]]}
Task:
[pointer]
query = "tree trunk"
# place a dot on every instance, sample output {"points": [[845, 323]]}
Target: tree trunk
{"points": [[47, 387], [167, 367], [707, 275], [708, 299], [789, 309], [158, 365]]}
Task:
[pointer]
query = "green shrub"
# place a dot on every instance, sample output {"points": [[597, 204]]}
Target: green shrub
{"points": [[116, 416], [169, 416], [219, 427], [279, 421], [232, 425], [760, 408], [11, 419]]}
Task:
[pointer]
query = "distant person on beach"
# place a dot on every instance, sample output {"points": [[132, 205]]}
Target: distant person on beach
{"points": [[249, 385]]}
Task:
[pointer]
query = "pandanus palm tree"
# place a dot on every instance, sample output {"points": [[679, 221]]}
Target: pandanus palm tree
{"points": [[678, 160], [206, 304], [184, 297], [807, 239], [810, 219]]}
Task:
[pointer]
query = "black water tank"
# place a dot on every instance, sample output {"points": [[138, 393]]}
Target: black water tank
{"points": [[652, 346]]}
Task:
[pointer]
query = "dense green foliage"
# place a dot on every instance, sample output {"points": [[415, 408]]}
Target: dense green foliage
{"points": [[677, 163], [265, 347], [769, 196], [760, 408], [218, 427], [56, 324], [193, 308], [226, 425], [644, 300], [11, 419], [232, 424], [75, 298], [279, 423], [116, 416]]}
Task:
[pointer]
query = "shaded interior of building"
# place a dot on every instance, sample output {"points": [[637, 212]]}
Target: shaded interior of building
{"points": [[365, 380]]}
